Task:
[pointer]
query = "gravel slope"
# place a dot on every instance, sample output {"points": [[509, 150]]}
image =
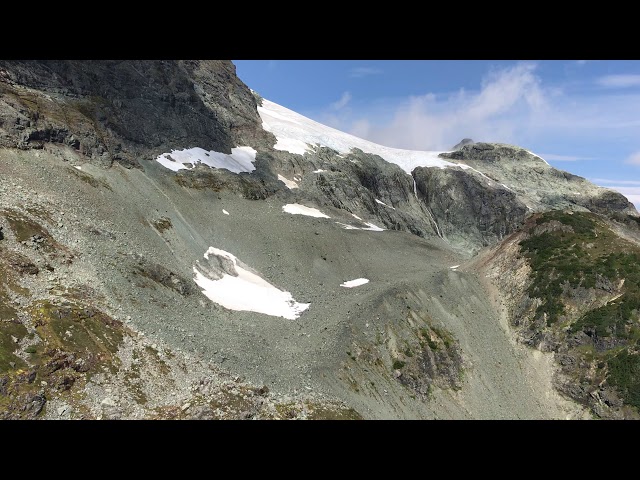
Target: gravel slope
{"points": [[309, 257]]}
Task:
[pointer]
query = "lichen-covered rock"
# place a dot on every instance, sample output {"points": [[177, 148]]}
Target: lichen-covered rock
{"points": [[537, 184]]}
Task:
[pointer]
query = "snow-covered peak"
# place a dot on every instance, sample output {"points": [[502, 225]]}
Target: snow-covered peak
{"points": [[297, 134]]}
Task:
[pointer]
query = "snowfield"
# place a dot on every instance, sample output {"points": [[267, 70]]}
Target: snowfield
{"points": [[240, 160], [298, 134], [246, 291]]}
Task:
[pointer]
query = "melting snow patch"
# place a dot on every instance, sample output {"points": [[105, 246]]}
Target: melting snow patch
{"points": [[77, 167], [319, 171], [369, 226], [289, 183], [240, 160], [382, 203], [355, 283], [347, 227], [372, 227], [297, 209], [454, 267], [227, 281], [225, 212]]}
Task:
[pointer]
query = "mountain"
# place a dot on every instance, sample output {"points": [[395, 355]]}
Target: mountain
{"points": [[172, 245]]}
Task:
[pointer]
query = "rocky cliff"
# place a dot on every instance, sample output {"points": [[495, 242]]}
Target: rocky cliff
{"points": [[124, 111]]}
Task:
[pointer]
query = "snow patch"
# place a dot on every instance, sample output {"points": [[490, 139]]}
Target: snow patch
{"points": [[382, 203], [319, 171], [369, 226], [240, 160], [355, 283], [538, 157], [242, 290], [297, 209], [454, 267], [225, 212], [290, 144], [289, 183], [77, 167]]}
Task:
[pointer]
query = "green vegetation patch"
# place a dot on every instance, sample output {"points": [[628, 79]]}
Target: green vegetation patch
{"points": [[12, 264], [78, 329], [319, 411], [162, 224], [590, 256], [24, 228], [575, 258], [90, 179], [624, 373], [8, 332], [398, 364]]}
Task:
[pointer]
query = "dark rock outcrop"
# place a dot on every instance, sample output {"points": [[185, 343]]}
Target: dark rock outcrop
{"points": [[462, 143], [124, 111]]}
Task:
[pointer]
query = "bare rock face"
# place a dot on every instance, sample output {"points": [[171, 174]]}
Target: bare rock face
{"points": [[122, 111], [462, 143], [469, 211], [537, 184]]}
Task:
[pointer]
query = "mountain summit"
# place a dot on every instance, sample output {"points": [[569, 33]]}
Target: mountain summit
{"points": [[174, 246]]}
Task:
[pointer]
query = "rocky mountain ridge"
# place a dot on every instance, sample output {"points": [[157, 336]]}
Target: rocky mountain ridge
{"points": [[101, 316]]}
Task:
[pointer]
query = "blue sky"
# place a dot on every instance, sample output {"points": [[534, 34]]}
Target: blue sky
{"points": [[582, 116]]}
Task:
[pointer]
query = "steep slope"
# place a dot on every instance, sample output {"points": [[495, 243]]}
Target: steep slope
{"points": [[540, 186], [571, 287], [471, 197], [122, 111], [253, 264]]}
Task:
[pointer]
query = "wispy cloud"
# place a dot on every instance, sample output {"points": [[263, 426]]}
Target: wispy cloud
{"points": [[581, 62], [511, 105], [360, 72], [564, 158], [619, 81], [340, 104], [603, 181], [633, 159], [272, 64], [431, 122]]}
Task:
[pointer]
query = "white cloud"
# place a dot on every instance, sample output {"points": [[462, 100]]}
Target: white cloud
{"points": [[344, 99], [619, 81], [581, 62], [563, 158], [511, 105], [507, 101], [633, 159], [360, 72]]}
